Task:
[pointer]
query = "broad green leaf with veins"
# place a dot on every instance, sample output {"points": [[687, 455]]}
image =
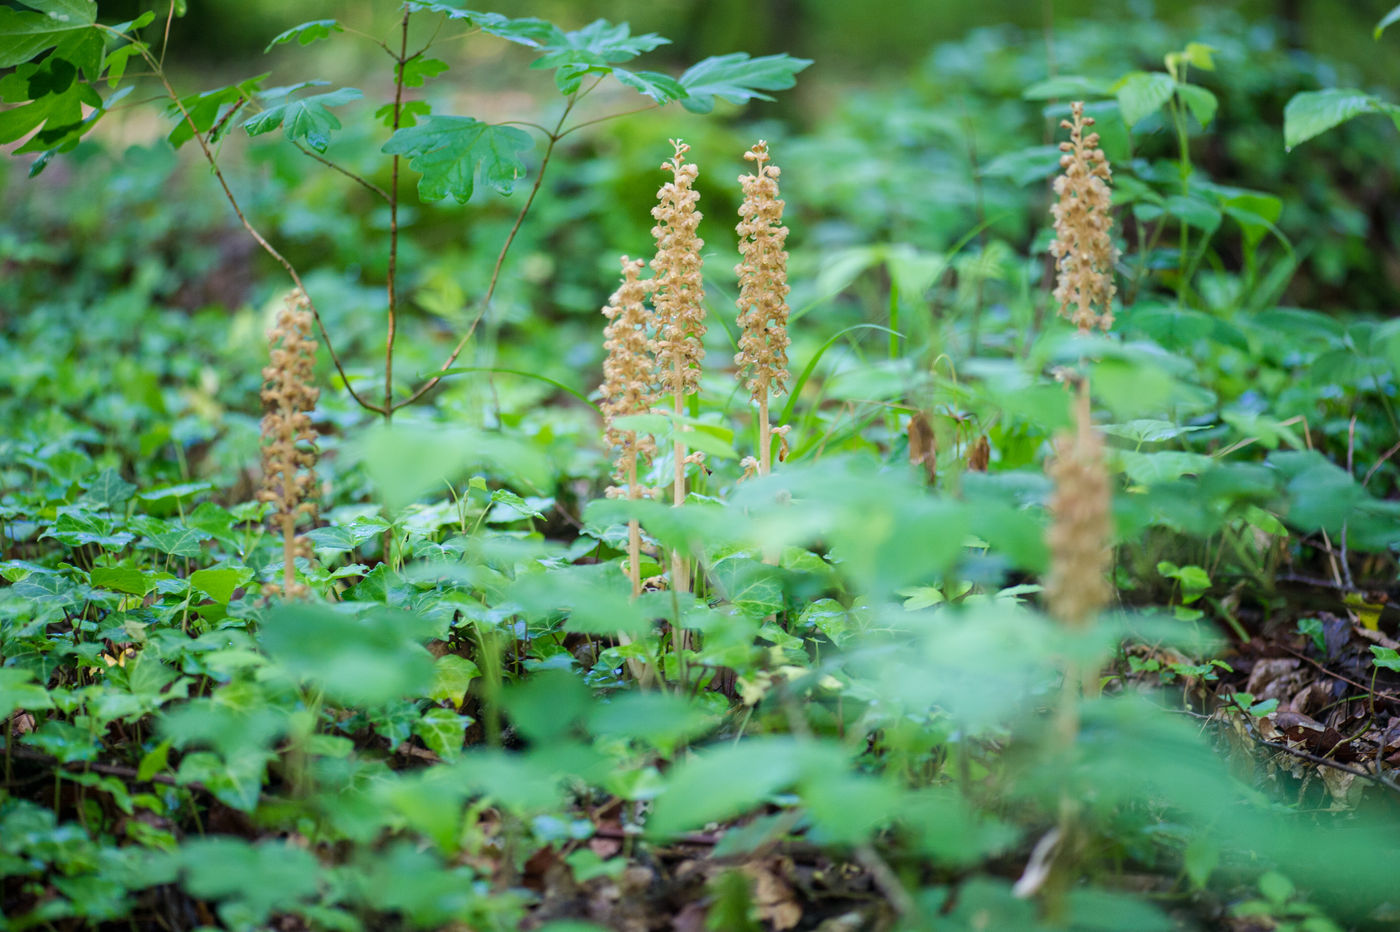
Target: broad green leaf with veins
{"points": [[450, 150], [306, 33], [62, 25], [304, 118], [738, 78], [1314, 112]]}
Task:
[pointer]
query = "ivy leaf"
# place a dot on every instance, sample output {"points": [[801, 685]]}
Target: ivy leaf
{"points": [[16, 692], [1142, 94], [661, 88], [120, 579], [1312, 113], [61, 25], [170, 537], [304, 118], [76, 528], [306, 33], [443, 731], [737, 78], [452, 675], [219, 584], [109, 489], [449, 151]]}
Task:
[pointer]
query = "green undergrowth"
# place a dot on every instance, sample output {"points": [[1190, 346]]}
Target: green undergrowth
{"points": [[867, 680]]}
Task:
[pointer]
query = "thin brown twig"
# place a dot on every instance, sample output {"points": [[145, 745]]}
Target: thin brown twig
{"points": [[111, 770], [165, 39], [261, 240], [485, 301], [1375, 778], [1362, 686], [359, 180], [402, 61], [1379, 463]]}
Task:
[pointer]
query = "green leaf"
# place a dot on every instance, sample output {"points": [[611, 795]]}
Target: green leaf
{"points": [[1385, 657], [154, 761], [661, 88], [1163, 466], [663, 720], [1388, 19], [420, 70], [211, 108], [449, 152], [219, 584], [76, 528], [1066, 87], [721, 782], [1142, 94], [304, 118], [1201, 102], [442, 731], [172, 538], [737, 78], [536, 33], [17, 692], [404, 461], [306, 33], [109, 489], [64, 741], [452, 675], [367, 660], [408, 113], [61, 25], [600, 38], [56, 103], [1026, 166], [120, 579], [1314, 112], [340, 538], [271, 875]]}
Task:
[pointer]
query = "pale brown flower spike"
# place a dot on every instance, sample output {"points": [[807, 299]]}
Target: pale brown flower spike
{"points": [[763, 290], [289, 441], [1083, 245], [1080, 531], [680, 310], [629, 387]]}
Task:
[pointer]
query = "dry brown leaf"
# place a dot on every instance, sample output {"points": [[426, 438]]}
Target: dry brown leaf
{"points": [[923, 447]]}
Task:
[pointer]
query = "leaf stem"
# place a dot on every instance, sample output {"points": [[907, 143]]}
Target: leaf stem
{"points": [[261, 240], [358, 179], [391, 278], [485, 302]]}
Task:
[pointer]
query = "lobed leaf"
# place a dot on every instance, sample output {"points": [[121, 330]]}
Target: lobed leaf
{"points": [[304, 118], [737, 78], [61, 25], [306, 33], [450, 151]]}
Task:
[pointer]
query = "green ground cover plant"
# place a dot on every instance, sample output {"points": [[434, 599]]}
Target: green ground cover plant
{"points": [[962, 527]]}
